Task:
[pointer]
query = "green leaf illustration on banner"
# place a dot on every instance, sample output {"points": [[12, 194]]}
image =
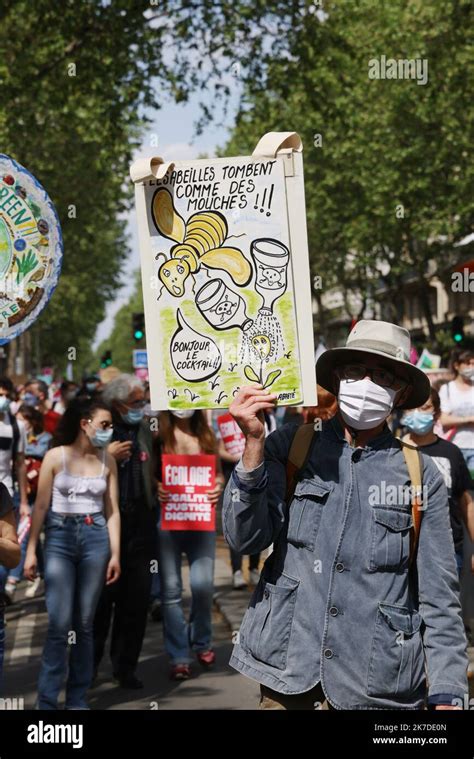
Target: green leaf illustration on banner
{"points": [[250, 374], [272, 377], [25, 264]]}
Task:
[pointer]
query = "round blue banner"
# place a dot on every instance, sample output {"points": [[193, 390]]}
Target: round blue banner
{"points": [[31, 249]]}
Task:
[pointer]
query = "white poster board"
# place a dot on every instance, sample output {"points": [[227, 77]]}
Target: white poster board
{"points": [[225, 275]]}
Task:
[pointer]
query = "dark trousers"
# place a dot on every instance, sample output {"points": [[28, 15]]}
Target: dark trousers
{"points": [[128, 598], [312, 700], [236, 560]]}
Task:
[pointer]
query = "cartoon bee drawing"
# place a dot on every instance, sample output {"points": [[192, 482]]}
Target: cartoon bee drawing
{"points": [[200, 242]]}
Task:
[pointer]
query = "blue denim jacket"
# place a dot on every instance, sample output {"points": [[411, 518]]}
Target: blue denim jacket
{"points": [[336, 603]]}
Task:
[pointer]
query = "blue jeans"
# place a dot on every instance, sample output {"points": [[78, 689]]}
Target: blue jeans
{"points": [[76, 557], [199, 548]]}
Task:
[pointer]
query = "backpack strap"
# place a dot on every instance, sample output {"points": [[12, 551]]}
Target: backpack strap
{"points": [[414, 462], [297, 456]]}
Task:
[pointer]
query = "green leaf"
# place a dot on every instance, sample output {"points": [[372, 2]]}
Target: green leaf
{"points": [[250, 374], [271, 378]]}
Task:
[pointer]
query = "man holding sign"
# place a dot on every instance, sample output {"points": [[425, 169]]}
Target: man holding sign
{"points": [[358, 605]]}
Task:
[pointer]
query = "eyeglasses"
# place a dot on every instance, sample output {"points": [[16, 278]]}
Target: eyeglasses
{"points": [[136, 404], [379, 375], [105, 425]]}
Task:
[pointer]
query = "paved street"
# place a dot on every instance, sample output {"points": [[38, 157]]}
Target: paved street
{"points": [[220, 688]]}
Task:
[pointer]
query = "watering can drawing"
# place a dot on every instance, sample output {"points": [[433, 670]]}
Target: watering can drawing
{"points": [[271, 259]]}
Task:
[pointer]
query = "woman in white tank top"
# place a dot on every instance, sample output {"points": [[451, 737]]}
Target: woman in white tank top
{"points": [[77, 494]]}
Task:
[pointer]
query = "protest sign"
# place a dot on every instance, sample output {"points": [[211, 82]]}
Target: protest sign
{"points": [[224, 252], [31, 249], [428, 360], [188, 480], [231, 434]]}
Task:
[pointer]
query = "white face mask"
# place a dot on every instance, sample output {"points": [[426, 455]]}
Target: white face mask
{"points": [[182, 413], [467, 373], [363, 404]]}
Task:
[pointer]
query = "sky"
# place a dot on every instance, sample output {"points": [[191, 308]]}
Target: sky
{"points": [[173, 134]]}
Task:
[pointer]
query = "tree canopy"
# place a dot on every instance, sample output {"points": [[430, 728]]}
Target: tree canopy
{"points": [[389, 175], [388, 162]]}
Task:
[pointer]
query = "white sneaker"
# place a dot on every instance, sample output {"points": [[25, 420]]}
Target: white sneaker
{"points": [[254, 576], [33, 587], [238, 580], [10, 589]]}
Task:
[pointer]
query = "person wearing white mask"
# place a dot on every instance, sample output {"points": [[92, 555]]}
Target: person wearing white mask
{"points": [[362, 585], [457, 405]]}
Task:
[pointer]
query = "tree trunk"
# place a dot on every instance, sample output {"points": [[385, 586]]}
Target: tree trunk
{"points": [[425, 304], [321, 312]]}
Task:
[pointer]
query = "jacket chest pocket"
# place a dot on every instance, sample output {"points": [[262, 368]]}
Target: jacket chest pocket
{"points": [[390, 540], [306, 510], [266, 628]]}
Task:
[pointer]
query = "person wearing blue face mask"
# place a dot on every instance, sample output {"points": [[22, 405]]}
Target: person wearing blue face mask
{"points": [[448, 458], [91, 387], [77, 495], [128, 601], [457, 404]]}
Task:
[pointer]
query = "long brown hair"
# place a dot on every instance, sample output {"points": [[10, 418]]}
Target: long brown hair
{"points": [[199, 428]]}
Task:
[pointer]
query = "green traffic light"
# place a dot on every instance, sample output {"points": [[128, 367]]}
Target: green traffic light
{"points": [[457, 338], [138, 334]]}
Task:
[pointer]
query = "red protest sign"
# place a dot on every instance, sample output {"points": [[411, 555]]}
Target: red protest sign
{"points": [[187, 480], [231, 434]]}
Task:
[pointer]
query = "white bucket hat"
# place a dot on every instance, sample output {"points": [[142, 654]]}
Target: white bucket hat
{"points": [[380, 339]]}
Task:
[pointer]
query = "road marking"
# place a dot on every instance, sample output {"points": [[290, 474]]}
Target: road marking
{"points": [[21, 644]]}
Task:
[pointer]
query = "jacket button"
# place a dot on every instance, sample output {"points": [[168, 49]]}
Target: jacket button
{"points": [[266, 594], [328, 653], [334, 611], [339, 566]]}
